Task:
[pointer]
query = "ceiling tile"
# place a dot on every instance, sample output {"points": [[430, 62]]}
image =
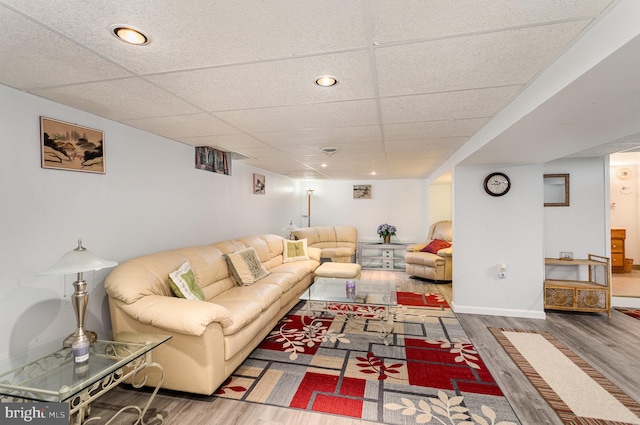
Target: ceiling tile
{"points": [[480, 103], [230, 142], [429, 129], [275, 83], [179, 126], [322, 136], [124, 99], [205, 33], [321, 115], [429, 19], [484, 60], [34, 57]]}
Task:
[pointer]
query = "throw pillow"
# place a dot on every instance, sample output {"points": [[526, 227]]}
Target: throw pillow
{"points": [[436, 245], [246, 266], [183, 283], [294, 250]]}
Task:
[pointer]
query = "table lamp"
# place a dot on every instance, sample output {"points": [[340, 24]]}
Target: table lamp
{"points": [[78, 261]]}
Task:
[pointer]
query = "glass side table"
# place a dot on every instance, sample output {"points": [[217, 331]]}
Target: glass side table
{"points": [[56, 378]]}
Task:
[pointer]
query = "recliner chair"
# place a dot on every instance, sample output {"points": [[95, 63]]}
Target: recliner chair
{"points": [[437, 265]]}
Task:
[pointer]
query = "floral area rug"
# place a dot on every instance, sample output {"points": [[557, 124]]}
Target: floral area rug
{"points": [[635, 313], [429, 373]]}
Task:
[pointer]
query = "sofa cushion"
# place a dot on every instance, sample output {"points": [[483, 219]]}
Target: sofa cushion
{"points": [[246, 266], [183, 283], [294, 250], [436, 245]]}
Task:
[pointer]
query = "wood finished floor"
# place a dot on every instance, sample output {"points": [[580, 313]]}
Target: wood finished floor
{"points": [[609, 345]]}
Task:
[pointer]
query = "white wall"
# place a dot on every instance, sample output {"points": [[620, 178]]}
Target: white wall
{"points": [[581, 227], [440, 207], [517, 230], [150, 199], [399, 202], [498, 230]]}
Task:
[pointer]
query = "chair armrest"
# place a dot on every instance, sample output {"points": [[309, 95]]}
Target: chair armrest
{"points": [[189, 317], [446, 252], [416, 247]]}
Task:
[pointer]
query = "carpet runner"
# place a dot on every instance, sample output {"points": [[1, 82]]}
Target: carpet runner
{"points": [[430, 373], [576, 391]]}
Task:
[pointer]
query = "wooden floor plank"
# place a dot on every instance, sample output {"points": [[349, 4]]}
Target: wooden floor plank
{"points": [[610, 345]]}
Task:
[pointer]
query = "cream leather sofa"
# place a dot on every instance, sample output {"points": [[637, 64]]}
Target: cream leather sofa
{"points": [[338, 243], [210, 338], [433, 266]]}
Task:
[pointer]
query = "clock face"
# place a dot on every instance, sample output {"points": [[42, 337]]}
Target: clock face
{"points": [[497, 184]]}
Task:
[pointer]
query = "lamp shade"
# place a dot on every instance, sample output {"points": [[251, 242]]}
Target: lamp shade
{"points": [[77, 261]]}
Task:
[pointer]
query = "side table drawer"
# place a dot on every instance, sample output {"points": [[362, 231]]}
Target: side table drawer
{"points": [[617, 246], [617, 260], [558, 297], [592, 299]]}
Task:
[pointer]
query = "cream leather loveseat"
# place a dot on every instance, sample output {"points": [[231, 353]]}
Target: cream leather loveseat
{"points": [[435, 265], [338, 243], [211, 338]]}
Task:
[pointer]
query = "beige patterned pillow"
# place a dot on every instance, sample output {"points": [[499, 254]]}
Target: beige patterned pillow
{"points": [[245, 266], [294, 250]]}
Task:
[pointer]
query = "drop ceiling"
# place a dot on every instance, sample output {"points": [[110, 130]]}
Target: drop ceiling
{"points": [[416, 79]]}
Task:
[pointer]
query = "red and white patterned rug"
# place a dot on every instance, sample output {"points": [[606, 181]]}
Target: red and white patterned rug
{"points": [[430, 373]]}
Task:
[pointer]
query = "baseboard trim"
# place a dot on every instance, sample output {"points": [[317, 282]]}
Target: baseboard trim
{"points": [[486, 311], [625, 302]]}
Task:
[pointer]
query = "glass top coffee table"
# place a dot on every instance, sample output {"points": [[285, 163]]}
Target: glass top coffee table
{"points": [[55, 377], [353, 299]]}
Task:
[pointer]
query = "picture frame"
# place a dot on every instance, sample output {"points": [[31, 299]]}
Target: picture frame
{"points": [[259, 184], [212, 159], [566, 256], [71, 147], [556, 190], [361, 191]]}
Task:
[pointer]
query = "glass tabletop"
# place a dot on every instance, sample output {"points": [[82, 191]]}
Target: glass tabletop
{"points": [[374, 292], [55, 377]]}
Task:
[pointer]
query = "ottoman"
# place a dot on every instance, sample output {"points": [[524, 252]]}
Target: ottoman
{"points": [[338, 270]]}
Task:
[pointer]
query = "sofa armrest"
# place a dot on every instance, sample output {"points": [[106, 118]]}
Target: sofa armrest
{"points": [[446, 252], [189, 317], [416, 247], [314, 253]]}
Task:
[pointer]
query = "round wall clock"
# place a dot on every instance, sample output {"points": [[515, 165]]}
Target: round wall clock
{"points": [[497, 184]]}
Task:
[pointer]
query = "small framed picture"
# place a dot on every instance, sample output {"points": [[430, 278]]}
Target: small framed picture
{"points": [[66, 146], [361, 191], [259, 184], [566, 256]]}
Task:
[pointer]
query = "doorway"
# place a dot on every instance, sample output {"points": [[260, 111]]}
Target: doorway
{"points": [[625, 220]]}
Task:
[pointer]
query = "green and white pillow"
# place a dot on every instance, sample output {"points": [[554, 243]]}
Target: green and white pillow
{"points": [[246, 266], [294, 250], [183, 283]]}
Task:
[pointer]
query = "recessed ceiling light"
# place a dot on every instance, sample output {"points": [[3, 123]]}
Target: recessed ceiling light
{"points": [[129, 34], [373, 173], [326, 81], [323, 165]]}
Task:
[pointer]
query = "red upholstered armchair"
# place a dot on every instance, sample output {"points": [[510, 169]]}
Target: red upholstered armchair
{"points": [[432, 260]]}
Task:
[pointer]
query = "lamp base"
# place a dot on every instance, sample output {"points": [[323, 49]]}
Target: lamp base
{"points": [[80, 334]]}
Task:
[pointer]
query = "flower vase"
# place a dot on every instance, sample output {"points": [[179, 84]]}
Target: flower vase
{"points": [[387, 239]]}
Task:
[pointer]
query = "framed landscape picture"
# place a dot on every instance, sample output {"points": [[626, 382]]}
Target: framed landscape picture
{"points": [[361, 191], [66, 146]]}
